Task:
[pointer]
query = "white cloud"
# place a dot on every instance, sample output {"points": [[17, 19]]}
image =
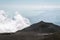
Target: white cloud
{"points": [[10, 25]]}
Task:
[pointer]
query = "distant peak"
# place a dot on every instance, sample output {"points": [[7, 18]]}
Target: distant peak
{"points": [[41, 22]]}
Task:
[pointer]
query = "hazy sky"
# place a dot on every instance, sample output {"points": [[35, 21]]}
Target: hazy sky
{"points": [[29, 4], [36, 9], [18, 2]]}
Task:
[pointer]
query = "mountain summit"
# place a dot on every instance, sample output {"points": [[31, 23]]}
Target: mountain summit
{"points": [[42, 27], [37, 31]]}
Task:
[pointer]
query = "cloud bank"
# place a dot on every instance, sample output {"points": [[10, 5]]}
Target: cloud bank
{"points": [[37, 7], [12, 25]]}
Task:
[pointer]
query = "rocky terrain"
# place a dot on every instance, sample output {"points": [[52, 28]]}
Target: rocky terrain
{"points": [[43, 27], [38, 31]]}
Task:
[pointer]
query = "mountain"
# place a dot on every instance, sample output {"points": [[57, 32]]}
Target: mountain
{"points": [[42, 27], [55, 36], [37, 31]]}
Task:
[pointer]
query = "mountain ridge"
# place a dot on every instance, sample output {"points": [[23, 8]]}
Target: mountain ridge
{"points": [[42, 27]]}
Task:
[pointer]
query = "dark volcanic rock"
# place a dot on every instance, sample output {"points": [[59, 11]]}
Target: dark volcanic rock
{"points": [[24, 36], [38, 31], [42, 27], [30, 36], [6, 33], [55, 36]]}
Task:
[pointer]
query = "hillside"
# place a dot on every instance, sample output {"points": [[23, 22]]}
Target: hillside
{"points": [[42, 27]]}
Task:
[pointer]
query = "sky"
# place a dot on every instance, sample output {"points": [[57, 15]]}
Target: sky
{"points": [[33, 9], [28, 12], [29, 1], [29, 4]]}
